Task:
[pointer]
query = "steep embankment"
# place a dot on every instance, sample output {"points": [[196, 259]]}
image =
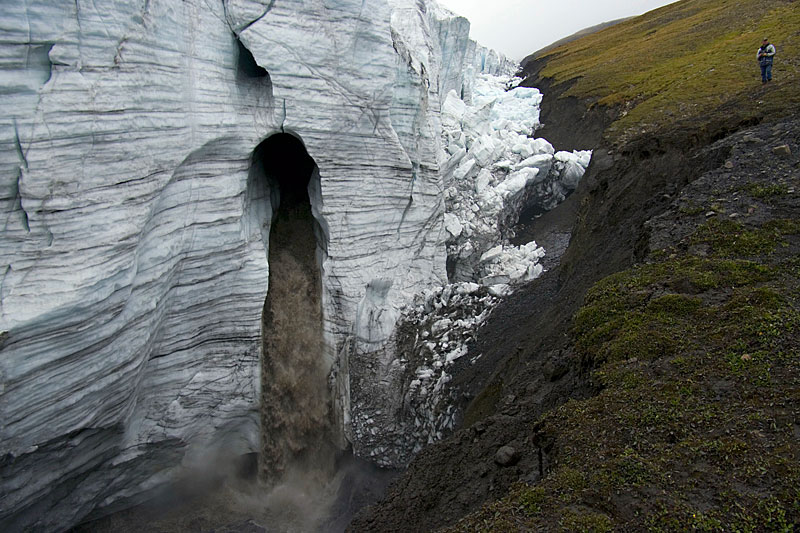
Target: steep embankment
{"points": [[665, 397]]}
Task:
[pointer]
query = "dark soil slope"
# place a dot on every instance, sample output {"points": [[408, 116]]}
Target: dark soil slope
{"points": [[695, 354], [651, 380]]}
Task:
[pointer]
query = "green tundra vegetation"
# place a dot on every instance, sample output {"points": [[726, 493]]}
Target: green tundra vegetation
{"points": [[683, 61], [693, 430], [696, 350]]}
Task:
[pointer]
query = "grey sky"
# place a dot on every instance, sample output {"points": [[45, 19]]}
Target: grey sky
{"points": [[520, 27]]}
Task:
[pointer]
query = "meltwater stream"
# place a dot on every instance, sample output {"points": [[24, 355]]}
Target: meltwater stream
{"points": [[296, 416], [301, 481]]}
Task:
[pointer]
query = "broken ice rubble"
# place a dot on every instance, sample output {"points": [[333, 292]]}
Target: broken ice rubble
{"points": [[492, 170]]}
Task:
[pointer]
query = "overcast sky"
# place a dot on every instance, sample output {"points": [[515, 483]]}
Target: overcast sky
{"points": [[518, 28]]}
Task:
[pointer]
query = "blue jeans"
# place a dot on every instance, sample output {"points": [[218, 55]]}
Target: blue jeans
{"points": [[766, 72]]}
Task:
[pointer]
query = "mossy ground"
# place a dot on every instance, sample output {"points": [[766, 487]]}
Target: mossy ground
{"points": [[699, 362], [696, 355], [685, 61]]}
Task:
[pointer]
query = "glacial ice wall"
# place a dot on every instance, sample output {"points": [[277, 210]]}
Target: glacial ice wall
{"points": [[134, 237]]}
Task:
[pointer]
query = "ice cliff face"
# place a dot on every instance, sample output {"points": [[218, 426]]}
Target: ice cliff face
{"points": [[135, 226]]}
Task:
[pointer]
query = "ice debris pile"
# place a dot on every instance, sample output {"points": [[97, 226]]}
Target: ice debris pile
{"points": [[446, 319], [493, 169], [431, 338]]}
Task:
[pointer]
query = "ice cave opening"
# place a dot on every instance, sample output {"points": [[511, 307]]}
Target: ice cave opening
{"points": [[296, 408]]}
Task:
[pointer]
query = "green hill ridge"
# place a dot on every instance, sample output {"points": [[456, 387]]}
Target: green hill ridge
{"points": [[684, 61]]}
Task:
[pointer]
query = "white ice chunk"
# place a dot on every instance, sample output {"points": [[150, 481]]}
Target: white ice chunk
{"points": [[452, 224], [584, 157], [440, 326], [456, 354], [572, 170], [543, 162], [483, 150], [464, 168], [492, 254], [424, 373], [517, 181], [523, 149], [453, 106], [541, 146], [468, 288], [500, 290], [482, 181]]}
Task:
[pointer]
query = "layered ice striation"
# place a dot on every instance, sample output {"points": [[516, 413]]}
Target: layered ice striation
{"points": [[136, 225]]}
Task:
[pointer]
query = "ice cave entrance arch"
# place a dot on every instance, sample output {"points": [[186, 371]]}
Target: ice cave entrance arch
{"points": [[296, 415]]}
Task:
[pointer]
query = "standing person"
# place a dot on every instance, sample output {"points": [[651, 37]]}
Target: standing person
{"points": [[764, 57]]}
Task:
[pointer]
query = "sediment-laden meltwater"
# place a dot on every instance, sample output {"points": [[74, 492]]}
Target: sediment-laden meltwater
{"points": [[298, 455], [304, 481], [296, 407]]}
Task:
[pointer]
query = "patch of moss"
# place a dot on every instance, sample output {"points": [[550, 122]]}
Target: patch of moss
{"points": [[531, 499], [624, 318], [729, 238], [783, 226], [691, 209], [769, 514], [762, 191], [568, 482], [586, 522]]}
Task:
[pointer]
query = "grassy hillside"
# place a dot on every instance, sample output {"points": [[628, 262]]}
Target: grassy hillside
{"points": [[684, 61], [697, 353], [695, 350], [575, 36]]}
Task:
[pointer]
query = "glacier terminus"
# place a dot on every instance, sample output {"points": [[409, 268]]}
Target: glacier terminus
{"points": [[137, 217]]}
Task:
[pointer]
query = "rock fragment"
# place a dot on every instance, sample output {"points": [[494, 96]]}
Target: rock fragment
{"points": [[506, 456], [782, 150]]}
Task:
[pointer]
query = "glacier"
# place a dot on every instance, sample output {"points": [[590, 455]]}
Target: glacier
{"points": [[136, 225]]}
